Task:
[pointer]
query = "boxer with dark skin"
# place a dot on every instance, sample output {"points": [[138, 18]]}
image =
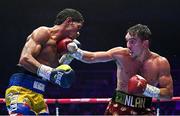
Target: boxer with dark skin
{"points": [[39, 63], [40, 47], [141, 73]]}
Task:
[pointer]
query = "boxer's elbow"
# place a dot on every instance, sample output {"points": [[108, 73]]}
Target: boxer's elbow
{"points": [[171, 94], [166, 94], [24, 60]]}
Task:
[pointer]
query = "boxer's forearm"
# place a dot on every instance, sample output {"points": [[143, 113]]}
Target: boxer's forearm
{"points": [[89, 57], [92, 57], [29, 63]]}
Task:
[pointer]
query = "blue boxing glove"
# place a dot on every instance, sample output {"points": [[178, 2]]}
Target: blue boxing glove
{"points": [[63, 75]]}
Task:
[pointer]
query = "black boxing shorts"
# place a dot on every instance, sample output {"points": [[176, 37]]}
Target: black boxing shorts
{"points": [[127, 104]]}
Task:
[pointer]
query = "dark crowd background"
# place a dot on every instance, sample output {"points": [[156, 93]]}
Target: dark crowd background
{"points": [[106, 22]]}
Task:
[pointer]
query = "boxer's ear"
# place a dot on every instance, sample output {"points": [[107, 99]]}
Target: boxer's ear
{"points": [[146, 43], [68, 20]]}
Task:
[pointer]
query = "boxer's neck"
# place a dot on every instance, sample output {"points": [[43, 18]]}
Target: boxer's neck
{"points": [[57, 32], [146, 54]]}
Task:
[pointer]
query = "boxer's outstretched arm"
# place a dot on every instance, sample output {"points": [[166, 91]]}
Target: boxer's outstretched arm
{"points": [[99, 56], [32, 48], [94, 57]]}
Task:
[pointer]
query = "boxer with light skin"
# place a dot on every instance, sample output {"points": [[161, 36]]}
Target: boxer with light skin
{"points": [[141, 73], [39, 64]]}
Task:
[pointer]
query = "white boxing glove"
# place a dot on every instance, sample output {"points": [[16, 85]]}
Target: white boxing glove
{"points": [[66, 59], [72, 47]]}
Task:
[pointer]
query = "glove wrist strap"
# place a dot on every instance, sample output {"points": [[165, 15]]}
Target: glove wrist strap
{"points": [[66, 59], [151, 91], [78, 54], [44, 72]]}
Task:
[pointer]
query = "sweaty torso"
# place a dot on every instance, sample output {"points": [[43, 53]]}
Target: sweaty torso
{"points": [[48, 54], [127, 67], [40, 48]]}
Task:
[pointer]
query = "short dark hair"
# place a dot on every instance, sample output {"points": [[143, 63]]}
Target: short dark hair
{"points": [[141, 31], [68, 12]]}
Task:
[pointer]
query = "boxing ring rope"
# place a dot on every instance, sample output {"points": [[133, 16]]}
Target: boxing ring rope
{"points": [[89, 100]]}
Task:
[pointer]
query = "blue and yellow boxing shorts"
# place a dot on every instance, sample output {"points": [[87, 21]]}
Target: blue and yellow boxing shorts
{"points": [[25, 95]]}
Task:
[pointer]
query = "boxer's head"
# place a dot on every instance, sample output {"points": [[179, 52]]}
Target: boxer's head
{"points": [[142, 31], [72, 21], [138, 38], [64, 14]]}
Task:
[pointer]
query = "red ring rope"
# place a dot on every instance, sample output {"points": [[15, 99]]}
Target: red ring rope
{"points": [[88, 100]]}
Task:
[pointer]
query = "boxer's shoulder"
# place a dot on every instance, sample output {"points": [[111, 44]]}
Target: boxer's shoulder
{"points": [[41, 34], [119, 52], [42, 28], [156, 58]]}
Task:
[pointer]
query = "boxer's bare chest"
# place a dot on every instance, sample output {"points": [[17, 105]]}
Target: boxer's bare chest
{"points": [[127, 68], [149, 70], [49, 54]]}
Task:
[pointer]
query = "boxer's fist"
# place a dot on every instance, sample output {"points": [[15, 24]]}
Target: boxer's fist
{"points": [[77, 43], [67, 45], [63, 75], [136, 84], [62, 45], [73, 46]]}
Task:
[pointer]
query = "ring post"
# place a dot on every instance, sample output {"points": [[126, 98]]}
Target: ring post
{"points": [[57, 108]]}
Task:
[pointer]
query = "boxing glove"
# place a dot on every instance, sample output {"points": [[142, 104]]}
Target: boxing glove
{"points": [[67, 45], [71, 47], [77, 43], [66, 59], [137, 84], [63, 75], [62, 45]]}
